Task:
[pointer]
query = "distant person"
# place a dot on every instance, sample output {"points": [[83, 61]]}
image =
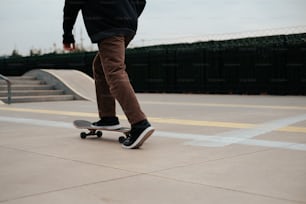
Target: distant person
{"points": [[112, 25]]}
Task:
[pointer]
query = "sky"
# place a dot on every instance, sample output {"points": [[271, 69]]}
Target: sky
{"points": [[37, 24]]}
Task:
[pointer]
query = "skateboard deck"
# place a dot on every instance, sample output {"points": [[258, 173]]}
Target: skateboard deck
{"points": [[84, 124]]}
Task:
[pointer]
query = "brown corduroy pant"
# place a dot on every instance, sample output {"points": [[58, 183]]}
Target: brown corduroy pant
{"points": [[112, 81]]}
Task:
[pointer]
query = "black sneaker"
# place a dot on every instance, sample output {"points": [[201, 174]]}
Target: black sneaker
{"points": [[111, 123], [140, 132]]}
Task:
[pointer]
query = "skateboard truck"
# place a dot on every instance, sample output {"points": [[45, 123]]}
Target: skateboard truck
{"points": [[83, 135], [83, 124], [99, 134]]}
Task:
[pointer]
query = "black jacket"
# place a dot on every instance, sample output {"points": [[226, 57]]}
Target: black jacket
{"points": [[103, 18]]}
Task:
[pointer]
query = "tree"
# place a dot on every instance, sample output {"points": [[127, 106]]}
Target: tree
{"points": [[35, 52], [15, 53]]}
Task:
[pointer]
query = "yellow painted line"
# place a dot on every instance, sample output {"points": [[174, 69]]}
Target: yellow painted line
{"points": [[227, 105], [293, 129], [201, 123], [171, 121], [152, 119], [50, 112]]}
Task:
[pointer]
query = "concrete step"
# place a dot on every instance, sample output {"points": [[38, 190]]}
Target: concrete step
{"points": [[16, 87], [32, 93], [27, 99], [21, 77], [43, 85], [30, 89], [22, 80], [17, 81]]}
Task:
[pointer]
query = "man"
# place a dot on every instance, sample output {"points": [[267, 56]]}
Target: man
{"points": [[111, 24]]}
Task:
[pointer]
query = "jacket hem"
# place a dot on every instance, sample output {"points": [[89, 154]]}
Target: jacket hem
{"points": [[97, 37]]}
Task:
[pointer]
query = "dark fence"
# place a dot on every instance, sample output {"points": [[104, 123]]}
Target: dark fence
{"points": [[15, 66], [265, 65], [269, 65]]}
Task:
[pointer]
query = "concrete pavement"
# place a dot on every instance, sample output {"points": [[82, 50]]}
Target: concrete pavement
{"points": [[206, 149]]}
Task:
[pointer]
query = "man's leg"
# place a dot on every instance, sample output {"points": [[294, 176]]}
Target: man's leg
{"points": [[112, 56], [105, 100]]}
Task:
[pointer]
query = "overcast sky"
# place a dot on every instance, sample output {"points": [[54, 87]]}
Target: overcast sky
{"points": [[28, 24]]}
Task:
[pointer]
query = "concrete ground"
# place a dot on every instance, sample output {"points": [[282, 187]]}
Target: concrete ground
{"points": [[206, 149]]}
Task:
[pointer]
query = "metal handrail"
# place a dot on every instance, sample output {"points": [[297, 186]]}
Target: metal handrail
{"points": [[9, 90]]}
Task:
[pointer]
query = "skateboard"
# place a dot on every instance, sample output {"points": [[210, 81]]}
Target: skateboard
{"points": [[84, 124]]}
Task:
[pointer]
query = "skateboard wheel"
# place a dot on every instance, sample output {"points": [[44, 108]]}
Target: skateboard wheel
{"points": [[121, 139], [83, 135], [99, 134]]}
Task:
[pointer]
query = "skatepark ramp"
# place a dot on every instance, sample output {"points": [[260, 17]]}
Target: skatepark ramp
{"points": [[43, 85]]}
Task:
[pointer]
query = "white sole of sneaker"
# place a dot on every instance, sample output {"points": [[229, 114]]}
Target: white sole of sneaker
{"points": [[114, 127], [141, 139]]}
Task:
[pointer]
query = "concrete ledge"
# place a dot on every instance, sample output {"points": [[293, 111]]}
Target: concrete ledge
{"points": [[71, 81]]}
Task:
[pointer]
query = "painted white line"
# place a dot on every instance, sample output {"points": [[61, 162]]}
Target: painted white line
{"points": [[218, 141], [194, 139], [28, 121], [239, 136], [244, 136]]}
